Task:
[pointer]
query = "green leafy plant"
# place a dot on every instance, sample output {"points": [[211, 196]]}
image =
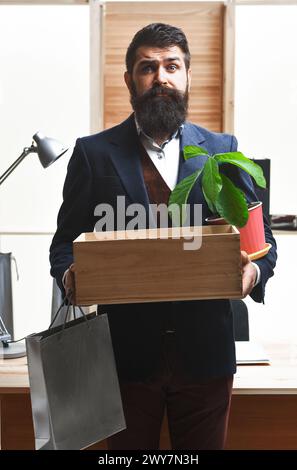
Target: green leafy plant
{"points": [[222, 196]]}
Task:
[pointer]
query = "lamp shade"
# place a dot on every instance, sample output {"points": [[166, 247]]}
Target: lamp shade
{"points": [[48, 149]]}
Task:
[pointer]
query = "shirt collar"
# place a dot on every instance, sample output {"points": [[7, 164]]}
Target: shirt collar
{"points": [[151, 141]]}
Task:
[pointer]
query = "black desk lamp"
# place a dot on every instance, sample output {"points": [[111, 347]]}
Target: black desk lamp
{"points": [[48, 151]]}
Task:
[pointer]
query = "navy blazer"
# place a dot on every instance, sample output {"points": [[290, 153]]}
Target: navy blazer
{"points": [[106, 165]]}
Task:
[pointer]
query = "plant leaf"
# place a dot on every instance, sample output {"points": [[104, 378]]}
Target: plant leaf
{"points": [[211, 206], [191, 151], [238, 159], [179, 196], [211, 182], [231, 203]]}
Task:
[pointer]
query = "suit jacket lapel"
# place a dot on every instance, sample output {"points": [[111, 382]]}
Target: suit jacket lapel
{"points": [[190, 136], [125, 157]]}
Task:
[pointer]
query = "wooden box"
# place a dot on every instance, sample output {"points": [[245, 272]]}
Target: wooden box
{"points": [[154, 266]]}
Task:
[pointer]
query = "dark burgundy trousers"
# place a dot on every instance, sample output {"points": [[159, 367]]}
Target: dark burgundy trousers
{"points": [[197, 411]]}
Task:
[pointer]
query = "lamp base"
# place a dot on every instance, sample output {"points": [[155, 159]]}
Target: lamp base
{"points": [[13, 350]]}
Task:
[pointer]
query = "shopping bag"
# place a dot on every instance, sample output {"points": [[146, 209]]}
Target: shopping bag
{"points": [[74, 387]]}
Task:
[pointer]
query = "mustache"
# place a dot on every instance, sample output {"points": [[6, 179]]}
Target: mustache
{"points": [[159, 91]]}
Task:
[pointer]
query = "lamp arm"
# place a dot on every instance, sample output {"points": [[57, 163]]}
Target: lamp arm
{"points": [[12, 167]]}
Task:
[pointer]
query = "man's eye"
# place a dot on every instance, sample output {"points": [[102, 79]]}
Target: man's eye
{"points": [[172, 67], [147, 69]]}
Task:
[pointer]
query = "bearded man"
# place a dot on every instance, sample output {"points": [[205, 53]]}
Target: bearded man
{"points": [[173, 356]]}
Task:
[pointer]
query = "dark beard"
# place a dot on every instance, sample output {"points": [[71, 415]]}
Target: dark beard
{"points": [[160, 116]]}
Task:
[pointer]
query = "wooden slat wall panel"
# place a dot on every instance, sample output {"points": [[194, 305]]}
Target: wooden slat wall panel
{"points": [[203, 24]]}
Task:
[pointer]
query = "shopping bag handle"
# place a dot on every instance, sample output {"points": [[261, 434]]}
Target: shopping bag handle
{"points": [[58, 311], [73, 308], [67, 312], [74, 315]]}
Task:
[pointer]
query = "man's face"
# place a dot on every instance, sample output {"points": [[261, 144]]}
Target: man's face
{"points": [[153, 66], [158, 87]]}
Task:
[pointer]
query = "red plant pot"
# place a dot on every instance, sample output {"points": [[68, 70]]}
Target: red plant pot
{"points": [[252, 235]]}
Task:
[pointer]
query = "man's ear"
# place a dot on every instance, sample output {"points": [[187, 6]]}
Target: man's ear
{"points": [[189, 73], [128, 81]]}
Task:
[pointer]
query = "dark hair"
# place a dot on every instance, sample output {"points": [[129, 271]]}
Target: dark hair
{"points": [[157, 35]]}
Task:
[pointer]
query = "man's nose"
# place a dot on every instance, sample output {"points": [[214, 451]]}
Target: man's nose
{"points": [[161, 77]]}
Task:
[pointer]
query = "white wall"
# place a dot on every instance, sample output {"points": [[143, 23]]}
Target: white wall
{"points": [[266, 126], [44, 85], [266, 95], [276, 320]]}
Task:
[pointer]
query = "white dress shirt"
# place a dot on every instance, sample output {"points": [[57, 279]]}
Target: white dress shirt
{"points": [[165, 157]]}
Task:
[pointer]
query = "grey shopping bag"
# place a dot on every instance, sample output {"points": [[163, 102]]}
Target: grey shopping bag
{"points": [[74, 387]]}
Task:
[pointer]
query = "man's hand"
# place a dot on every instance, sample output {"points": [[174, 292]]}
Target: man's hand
{"points": [[249, 274], [69, 283]]}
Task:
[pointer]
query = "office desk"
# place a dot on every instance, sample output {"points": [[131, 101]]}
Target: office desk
{"points": [[15, 407], [264, 402], [263, 411]]}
